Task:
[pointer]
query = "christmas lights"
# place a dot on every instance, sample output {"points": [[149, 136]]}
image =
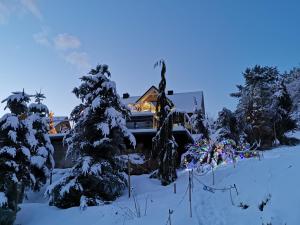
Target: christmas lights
{"points": [[208, 153]]}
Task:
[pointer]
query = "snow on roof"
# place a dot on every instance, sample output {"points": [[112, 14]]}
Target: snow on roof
{"points": [[154, 130], [182, 101], [130, 100], [58, 119], [185, 101], [142, 114]]}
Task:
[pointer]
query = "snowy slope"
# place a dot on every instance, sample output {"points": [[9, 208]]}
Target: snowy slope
{"points": [[276, 176]]}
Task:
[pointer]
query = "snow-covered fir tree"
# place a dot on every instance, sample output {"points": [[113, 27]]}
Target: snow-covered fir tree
{"points": [[283, 120], [292, 82], [226, 126], [41, 150], [15, 156], [254, 111], [198, 121], [100, 122], [164, 145]]}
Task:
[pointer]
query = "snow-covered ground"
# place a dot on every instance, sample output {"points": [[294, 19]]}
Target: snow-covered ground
{"points": [[274, 177]]}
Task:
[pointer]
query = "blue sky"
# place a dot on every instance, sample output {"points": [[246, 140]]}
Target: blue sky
{"points": [[48, 44]]}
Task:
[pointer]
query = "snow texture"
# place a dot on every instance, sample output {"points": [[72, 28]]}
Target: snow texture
{"points": [[38, 107], [274, 177], [135, 158], [8, 150], [11, 121], [3, 199]]}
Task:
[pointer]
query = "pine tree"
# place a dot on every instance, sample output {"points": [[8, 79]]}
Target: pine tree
{"points": [[255, 112], [283, 121], [15, 156], [42, 161], [226, 126], [164, 144], [198, 121], [96, 176], [265, 107], [292, 82]]}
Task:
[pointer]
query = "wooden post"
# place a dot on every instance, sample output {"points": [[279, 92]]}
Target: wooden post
{"points": [[231, 197], [51, 173], [174, 188], [169, 219], [129, 181], [213, 175], [192, 180], [190, 193], [275, 135]]}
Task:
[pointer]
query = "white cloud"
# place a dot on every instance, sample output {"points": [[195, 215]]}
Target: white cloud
{"points": [[66, 41], [79, 59], [42, 38], [4, 13], [32, 7], [10, 8], [64, 45]]}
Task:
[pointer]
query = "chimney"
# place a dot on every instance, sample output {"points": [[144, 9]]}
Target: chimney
{"points": [[126, 95], [170, 92]]}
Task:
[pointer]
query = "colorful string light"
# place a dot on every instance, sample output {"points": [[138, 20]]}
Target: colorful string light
{"points": [[207, 152]]}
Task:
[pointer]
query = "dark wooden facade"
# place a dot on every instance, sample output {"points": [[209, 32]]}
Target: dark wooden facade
{"points": [[60, 151], [143, 140], [143, 122]]}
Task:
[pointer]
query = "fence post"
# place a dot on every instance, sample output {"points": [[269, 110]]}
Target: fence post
{"points": [[129, 181], [51, 174], [213, 175], [170, 213], [192, 180], [174, 188], [190, 193]]}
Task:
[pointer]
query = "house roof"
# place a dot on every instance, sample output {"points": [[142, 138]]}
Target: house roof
{"points": [[150, 89], [185, 101], [182, 101], [59, 119]]}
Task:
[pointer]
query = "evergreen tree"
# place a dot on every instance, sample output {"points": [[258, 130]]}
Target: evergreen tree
{"points": [[292, 82], [198, 121], [265, 107], [226, 126], [96, 176], [42, 161], [15, 156], [283, 121], [164, 144], [255, 110]]}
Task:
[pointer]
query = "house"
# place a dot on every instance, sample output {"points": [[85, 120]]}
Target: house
{"points": [[58, 127], [143, 108], [143, 122]]}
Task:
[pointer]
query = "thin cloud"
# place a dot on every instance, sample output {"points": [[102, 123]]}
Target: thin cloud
{"points": [[4, 13], [64, 45], [42, 38], [79, 59], [10, 8], [66, 41], [32, 7]]}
